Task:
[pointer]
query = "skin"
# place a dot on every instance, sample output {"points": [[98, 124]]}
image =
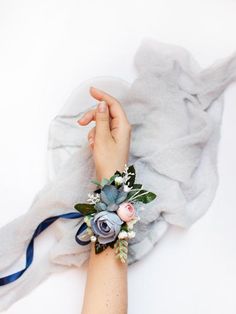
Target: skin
{"points": [[109, 141]]}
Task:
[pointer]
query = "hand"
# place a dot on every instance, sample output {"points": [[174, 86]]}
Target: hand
{"points": [[109, 140]]}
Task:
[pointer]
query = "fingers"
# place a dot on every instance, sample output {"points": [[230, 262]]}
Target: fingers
{"points": [[91, 137], [87, 117], [108, 107], [102, 117], [115, 108], [103, 131]]}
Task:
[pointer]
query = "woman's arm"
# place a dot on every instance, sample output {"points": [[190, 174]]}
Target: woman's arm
{"points": [[106, 287], [109, 140]]}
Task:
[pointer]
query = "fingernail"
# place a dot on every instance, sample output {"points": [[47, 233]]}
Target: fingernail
{"points": [[102, 106], [95, 88], [90, 141], [80, 120]]}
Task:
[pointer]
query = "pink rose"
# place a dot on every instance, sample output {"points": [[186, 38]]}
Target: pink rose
{"points": [[126, 211]]}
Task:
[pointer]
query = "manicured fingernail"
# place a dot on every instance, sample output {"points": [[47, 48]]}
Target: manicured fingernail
{"points": [[95, 88], [102, 106], [81, 119]]}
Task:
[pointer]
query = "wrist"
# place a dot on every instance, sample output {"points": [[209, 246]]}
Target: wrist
{"points": [[109, 171]]}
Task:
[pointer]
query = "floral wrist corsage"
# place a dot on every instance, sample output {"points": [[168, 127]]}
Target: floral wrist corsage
{"points": [[113, 210]]}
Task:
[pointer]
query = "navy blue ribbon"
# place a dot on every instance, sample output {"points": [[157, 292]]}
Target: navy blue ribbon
{"points": [[30, 249]]}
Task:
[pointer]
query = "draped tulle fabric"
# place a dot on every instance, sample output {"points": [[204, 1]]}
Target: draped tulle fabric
{"points": [[175, 109]]}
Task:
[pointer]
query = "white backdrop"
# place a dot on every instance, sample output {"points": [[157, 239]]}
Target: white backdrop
{"points": [[47, 48]]}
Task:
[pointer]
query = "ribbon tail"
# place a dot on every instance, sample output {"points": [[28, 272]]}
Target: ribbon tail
{"points": [[30, 248]]}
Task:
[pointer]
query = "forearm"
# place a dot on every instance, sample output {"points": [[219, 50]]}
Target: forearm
{"points": [[106, 286]]}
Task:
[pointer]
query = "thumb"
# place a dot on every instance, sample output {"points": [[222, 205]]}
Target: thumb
{"points": [[102, 121]]}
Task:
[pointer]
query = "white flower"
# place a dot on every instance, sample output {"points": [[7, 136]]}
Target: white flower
{"points": [[93, 238], [132, 222], [122, 235], [118, 180], [131, 234], [127, 188]]}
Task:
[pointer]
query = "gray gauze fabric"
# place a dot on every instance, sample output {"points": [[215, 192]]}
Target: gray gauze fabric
{"points": [[175, 109]]}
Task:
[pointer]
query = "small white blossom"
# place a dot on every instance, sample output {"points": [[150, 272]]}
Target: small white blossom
{"points": [[123, 234], [93, 238], [127, 188], [118, 180], [132, 222], [130, 225], [93, 198], [131, 234]]}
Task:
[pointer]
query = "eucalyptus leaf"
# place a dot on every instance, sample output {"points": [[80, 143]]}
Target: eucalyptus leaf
{"points": [[121, 197], [100, 206], [109, 194], [85, 209]]}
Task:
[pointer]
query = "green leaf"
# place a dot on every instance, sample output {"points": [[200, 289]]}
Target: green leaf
{"points": [[134, 193], [105, 181], [99, 247], [131, 180], [112, 178], [85, 209], [121, 249], [96, 182], [137, 186], [145, 198], [135, 190], [125, 227]]}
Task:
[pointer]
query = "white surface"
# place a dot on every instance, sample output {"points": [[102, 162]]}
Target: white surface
{"points": [[46, 49]]}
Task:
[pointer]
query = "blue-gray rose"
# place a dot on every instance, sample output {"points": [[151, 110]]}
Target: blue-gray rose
{"points": [[106, 225], [110, 197]]}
